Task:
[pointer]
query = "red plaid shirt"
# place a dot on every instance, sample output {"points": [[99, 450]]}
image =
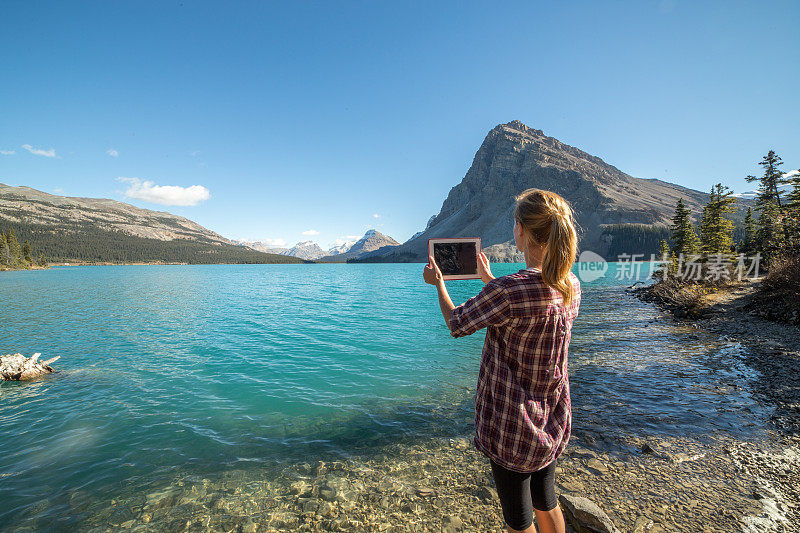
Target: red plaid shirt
{"points": [[523, 414]]}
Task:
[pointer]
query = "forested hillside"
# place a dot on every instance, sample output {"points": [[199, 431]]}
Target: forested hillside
{"points": [[85, 243], [97, 230]]}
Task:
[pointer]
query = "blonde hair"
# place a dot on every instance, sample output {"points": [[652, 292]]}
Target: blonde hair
{"points": [[548, 220]]}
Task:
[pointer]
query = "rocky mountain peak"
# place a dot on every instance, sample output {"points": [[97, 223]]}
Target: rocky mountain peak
{"points": [[516, 125], [372, 241], [514, 157], [305, 250]]}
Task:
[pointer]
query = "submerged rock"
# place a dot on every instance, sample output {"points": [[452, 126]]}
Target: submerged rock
{"points": [[17, 367]]}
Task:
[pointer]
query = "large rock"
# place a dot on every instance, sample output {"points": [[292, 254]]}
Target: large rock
{"points": [[585, 516]]}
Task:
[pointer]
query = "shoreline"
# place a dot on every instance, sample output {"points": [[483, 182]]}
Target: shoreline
{"points": [[32, 267], [737, 313], [446, 485]]}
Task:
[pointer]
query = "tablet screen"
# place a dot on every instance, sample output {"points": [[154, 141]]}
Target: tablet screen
{"points": [[456, 258]]}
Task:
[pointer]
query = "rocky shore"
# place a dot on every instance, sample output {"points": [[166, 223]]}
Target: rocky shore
{"points": [[6, 268], [740, 313], [644, 485]]}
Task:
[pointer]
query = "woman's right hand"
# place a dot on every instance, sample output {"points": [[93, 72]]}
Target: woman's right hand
{"points": [[431, 273], [484, 269]]}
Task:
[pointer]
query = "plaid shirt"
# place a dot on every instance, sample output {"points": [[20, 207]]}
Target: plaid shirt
{"points": [[523, 415]]}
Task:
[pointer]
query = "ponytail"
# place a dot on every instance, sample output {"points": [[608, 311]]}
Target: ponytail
{"points": [[548, 219]]}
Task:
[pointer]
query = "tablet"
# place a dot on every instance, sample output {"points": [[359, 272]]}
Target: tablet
{"points": [[457, 258]]}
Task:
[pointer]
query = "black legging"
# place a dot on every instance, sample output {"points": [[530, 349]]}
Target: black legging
{"points": [[520, 493]]}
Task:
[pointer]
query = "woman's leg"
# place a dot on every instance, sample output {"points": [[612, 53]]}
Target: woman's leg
{"points": [[551, 521], [543, 496], [514, 491], [548, 521], [522, 493]]}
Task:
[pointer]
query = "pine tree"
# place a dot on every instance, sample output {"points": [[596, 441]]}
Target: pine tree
{"points": [[794, 196], [26, 252], [748, 246], [772, 233], [793, 211], [5, 254], [663, 250], [684, 239], [770, 181], [13, 245], [669, 261], [769, 237], [716, 231], [42, 261]]}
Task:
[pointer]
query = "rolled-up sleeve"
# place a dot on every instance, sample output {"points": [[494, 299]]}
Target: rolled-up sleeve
{"points": [[490, 307]]}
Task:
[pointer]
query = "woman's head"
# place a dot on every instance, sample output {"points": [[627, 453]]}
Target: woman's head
{"points": [[544, 220]]}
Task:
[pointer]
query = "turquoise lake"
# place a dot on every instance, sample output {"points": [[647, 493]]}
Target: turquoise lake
{"points": [[167, 370]]}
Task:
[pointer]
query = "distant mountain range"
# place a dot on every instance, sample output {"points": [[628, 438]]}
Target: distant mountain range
{"points": [[608, 203], [304, 250], [372, 240], [67, 229], [95, 230]]}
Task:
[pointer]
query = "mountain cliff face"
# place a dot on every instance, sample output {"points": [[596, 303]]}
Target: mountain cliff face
{"points": [[514, 157], [371, 241]]}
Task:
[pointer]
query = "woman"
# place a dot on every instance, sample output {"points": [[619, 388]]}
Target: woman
{"points": [[522, 407]]}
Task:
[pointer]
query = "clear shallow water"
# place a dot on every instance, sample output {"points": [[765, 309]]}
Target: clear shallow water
{"points": [[169, 370]]}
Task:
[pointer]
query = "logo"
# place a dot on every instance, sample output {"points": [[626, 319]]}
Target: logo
{"points": [[591, 266]]}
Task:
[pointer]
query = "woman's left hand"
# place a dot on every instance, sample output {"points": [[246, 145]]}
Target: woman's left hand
{"points": [[484, 269], [431, 274]]}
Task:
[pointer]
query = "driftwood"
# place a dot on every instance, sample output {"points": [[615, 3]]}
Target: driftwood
{"points": [[17, 367]]}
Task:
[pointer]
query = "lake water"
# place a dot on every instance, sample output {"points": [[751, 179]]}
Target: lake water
{"points": [[168, 370]]}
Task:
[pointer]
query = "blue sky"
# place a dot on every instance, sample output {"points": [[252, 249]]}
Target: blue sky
{"points": [[334, 117]]}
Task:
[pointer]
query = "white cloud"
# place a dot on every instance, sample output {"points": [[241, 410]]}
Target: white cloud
{"points": [[310, 232], [274, 242], [58, 190], [8, 152], [789, 174], [165, 194], [112, 152], [39, 151], [376, 215]]}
